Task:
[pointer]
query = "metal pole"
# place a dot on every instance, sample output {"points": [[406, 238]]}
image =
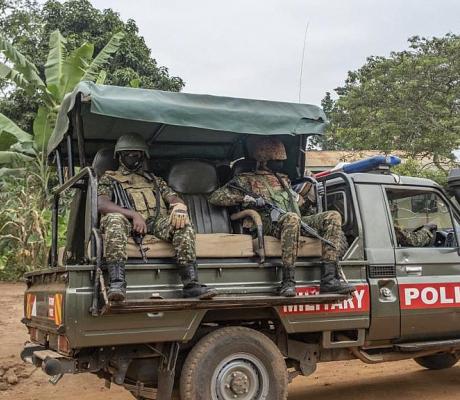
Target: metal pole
{"points": [[70, 164]]}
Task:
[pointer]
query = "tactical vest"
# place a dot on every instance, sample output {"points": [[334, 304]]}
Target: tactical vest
{"points": [[268, 185], [141, 192]]}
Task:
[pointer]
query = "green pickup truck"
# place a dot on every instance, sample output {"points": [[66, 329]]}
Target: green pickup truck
{"points": [[246, 343]]}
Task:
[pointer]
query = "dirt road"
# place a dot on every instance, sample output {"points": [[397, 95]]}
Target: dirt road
{"points": [[338, 381]]}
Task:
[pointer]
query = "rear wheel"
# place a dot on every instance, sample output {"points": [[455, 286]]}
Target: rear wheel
{"points": [[234, 363], [437, 361]]}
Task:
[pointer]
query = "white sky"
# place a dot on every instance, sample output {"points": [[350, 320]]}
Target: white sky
{"points": [[253, 48]]}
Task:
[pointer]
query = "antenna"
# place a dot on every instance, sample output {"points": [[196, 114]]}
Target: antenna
{"points": [[303, 57]]}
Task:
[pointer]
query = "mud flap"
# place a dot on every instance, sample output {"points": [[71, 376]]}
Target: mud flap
{"points": [[166, 372], [28, 352]]}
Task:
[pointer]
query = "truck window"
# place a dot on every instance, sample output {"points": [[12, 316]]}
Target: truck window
{"points": [[412, 212], [337, 201]]}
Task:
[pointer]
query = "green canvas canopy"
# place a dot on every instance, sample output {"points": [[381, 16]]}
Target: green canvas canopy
{"points": [[203, 125]]}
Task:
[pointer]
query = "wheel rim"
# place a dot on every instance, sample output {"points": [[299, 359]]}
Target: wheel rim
{"points": [[240, 376]]}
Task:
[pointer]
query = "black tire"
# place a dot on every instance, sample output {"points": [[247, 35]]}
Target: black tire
{"points": [[234, 361], [438, 361]]}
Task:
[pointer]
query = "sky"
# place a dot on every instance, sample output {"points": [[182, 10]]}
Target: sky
{"points": [[253, 48]]}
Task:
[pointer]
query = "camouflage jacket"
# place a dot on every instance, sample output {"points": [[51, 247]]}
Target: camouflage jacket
{"points": [[139, 188], [262, 183], [408, 238]]}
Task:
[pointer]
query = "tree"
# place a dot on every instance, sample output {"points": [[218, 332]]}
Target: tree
{"points": [[409, 101], [25, 218], [413, 167], [28, 25], [321, 141], [62, 71]]}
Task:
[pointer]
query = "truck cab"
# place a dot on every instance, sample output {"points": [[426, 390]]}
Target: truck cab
{"points": [[246, 343]]}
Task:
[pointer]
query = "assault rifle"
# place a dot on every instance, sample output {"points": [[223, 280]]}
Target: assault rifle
{"points": [[277, 212], [122, 199]]}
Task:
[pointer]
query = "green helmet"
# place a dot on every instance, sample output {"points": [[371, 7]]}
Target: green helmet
{"points": [[131, 141], [266, 149]]}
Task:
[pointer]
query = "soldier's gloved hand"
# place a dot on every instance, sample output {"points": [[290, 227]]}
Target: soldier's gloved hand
{"points": [[139, 224], [432, 227], [256, 201], [179, 216]]}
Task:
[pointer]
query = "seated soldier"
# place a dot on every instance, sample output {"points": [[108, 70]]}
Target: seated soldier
{"points": [[267, 184], [328, 224], [415, 238], [149, 196]]}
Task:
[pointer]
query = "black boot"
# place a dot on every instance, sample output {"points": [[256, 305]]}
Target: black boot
{"points": [[192, 288], [117, 282], [330, 281], [287, 287]]}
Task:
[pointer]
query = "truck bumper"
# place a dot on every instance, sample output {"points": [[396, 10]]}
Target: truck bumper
{"points": [[51, 362]]}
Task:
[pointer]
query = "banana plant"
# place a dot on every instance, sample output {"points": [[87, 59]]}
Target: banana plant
{"points": [[63, 71]]}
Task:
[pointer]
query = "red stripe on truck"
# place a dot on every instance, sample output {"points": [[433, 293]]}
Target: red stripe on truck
{"points": [[358, 303]]}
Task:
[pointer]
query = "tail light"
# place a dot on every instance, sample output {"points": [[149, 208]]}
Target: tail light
{"points": [[63, 344], [33, 332]]}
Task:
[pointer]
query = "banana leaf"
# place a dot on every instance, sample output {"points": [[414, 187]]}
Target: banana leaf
{"points": [[103, 57]]}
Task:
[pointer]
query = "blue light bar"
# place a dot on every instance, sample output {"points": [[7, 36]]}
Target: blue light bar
{"points": [[371, 163]]}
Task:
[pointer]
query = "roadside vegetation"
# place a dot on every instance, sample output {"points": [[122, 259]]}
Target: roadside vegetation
{"points": [[30, 95]]}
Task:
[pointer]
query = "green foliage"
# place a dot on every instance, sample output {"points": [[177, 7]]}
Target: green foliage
{"points": [[23, 66], [23, 225], [25, 215], [10, 133], [43, 127], [13, 158], [413, 167], [74, 67], [408, 101], [92, 72], [28, 26], [54, 62], [63, 71], [25, 219]]}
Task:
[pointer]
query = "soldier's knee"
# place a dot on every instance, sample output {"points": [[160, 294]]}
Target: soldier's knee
{"points": [[115, 217], [187, 232], [333, 217], [115, 222], [291, 218]]}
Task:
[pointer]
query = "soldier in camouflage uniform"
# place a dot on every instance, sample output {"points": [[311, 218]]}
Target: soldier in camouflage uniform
{"points": [[419, 238], [276, 187], [150, 196], [328, 223]]}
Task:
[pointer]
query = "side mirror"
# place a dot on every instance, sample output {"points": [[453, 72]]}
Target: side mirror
{"points": [[453, 183]]}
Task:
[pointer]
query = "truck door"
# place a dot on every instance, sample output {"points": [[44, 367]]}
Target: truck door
{"points": [[427, 269], [380, 264]]}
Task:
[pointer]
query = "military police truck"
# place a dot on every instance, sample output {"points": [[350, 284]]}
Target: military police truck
{"points": [[246, 343]]}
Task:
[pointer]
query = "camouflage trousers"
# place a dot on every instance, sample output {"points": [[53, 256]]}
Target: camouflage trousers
{"points": [[328, 224], [117, 229]]}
